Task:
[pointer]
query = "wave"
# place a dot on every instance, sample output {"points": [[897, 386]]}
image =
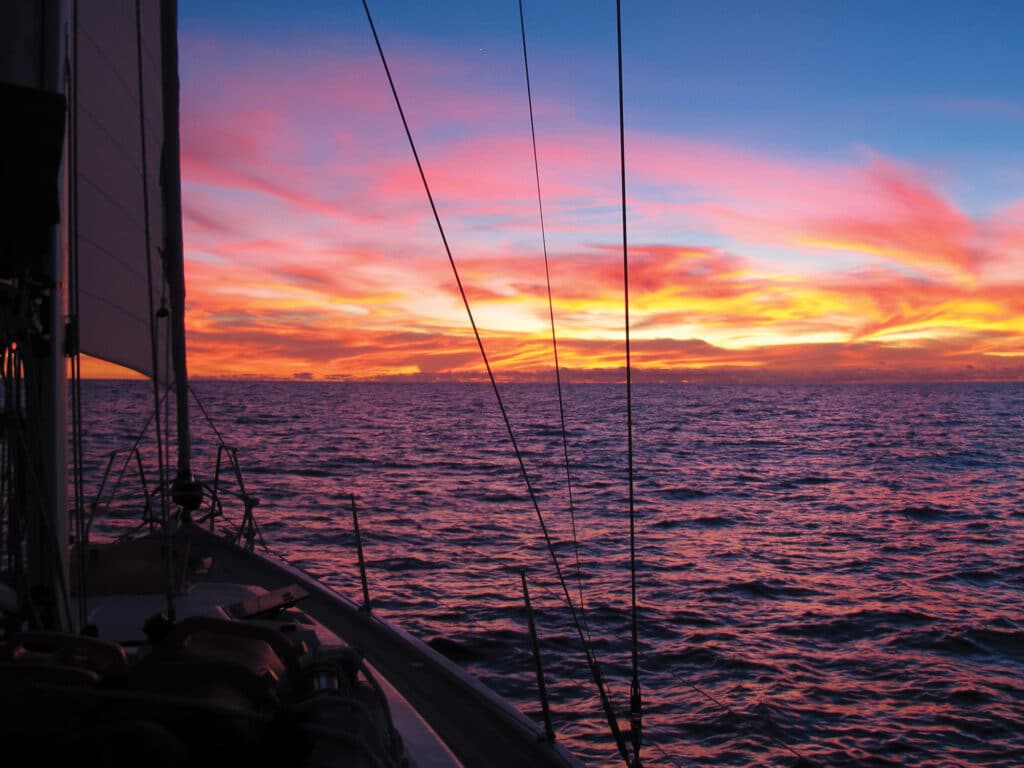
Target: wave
{"points": [[922, 513], [683, 493], [854, 625], [767, 588], [807, 480]]}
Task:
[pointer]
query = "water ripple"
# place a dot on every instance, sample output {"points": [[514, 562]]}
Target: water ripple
{"points": [[833, 570]]}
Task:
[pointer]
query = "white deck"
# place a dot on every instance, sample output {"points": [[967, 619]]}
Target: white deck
{"points": [[120, 618]]}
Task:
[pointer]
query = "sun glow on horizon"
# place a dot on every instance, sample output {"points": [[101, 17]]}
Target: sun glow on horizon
{"points": [[311, 250]]}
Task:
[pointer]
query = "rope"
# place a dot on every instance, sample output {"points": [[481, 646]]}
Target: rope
{"points": [[635, 701], [551, 314], [494, 384]]}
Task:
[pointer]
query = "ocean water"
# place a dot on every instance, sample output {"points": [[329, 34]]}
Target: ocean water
{"points": [[828, 575]]}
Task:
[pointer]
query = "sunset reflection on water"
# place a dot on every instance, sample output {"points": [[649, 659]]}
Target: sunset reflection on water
{"points": [[838, 565]]}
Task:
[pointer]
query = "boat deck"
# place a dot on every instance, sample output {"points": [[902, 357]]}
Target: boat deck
{"points": [[480, 728]]}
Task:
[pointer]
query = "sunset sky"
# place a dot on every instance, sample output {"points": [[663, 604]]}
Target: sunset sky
{"points": [[815, 190]]}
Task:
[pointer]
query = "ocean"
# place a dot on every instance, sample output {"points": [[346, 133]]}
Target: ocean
{"points": [[827, 575]]}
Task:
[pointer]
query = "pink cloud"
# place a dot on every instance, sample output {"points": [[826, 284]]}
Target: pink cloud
{"points": [[307, 229], [287, 117]]}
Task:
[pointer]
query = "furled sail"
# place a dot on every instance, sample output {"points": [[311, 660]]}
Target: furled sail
{"points": [[121, 276]]}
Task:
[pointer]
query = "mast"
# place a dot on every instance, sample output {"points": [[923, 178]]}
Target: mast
{"points": [[54, 381], [185, 491], [32, 67]]}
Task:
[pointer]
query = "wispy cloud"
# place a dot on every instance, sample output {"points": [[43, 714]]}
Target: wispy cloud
{"points": [[311, 248]]}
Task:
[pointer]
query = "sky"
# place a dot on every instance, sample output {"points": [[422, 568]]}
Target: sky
{"points": [[815, 190]]}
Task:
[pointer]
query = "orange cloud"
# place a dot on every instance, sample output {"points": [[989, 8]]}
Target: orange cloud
{"points": [[310, 246]]}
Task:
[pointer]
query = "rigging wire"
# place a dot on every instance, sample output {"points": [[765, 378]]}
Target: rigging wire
{"points": [[32, 486], [666, 755], [162, 315], [153, 337], [12, 481], [636, 705], [4, 467], [735, 715], [696, 689], [209, 419], [591, 660], [222, 444], [551, 314], [81, 531], [635, 700], [128, 456], [7, 519], [485, 631]]}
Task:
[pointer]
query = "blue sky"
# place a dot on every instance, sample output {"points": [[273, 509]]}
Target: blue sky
{"points": [[847, 175]]}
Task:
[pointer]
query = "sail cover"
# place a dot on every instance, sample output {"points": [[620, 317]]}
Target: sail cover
{"points": [[121, 280]]}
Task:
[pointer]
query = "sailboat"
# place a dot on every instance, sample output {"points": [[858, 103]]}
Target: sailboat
{"points": [[181, 645]]}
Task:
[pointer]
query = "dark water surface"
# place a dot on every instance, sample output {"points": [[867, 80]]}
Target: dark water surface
{"points": [[836, 570]]}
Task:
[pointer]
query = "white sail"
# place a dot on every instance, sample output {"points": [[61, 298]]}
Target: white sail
{"points": [[116, 284]]}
